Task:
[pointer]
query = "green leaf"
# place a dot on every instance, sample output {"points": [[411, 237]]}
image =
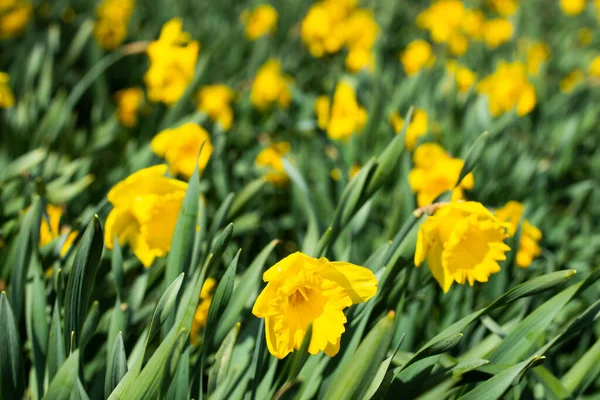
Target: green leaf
{"points": [[438, 347], [79, 392], [221, 215], [220, 370], [90, 324], [117, 267], [37, 323], [56, 344], [116, 366], [180, 385], [382, 372], [65, 380], [24, 163], [248, 192], [11, 373], [473, 156], [554, 389], [584, 371]]}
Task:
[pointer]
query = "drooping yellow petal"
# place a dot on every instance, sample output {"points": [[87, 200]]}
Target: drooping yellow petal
{"points": [[122, 224], [359, 283]]}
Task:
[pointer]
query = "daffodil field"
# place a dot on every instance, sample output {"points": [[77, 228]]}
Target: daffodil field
{"points": [[295, 199]]}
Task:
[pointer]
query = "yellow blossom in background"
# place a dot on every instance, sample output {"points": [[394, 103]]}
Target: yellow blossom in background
{"points": [[301, 291], [112, 18], [571, 80], [443, 19], [459, 44], [584, 36], [271, 86], [594, 68], [129, 102], [506, 8], [416, 128], [50, 229], [472, 24], [529, 248], [464, 77], [417, 55], [497, 31], [172, 63], [462, 242], [537, 53], [215, 101], [270, 160], [353, 171], [359, 58], [345, 117], [146, 206], [572, 7], [435, 172], [361, 32], [180, 147], [261, 21], [201, 314], [14, 17], [7, 99], [507, 89]]}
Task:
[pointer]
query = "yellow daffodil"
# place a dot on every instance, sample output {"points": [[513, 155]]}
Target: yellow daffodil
{"points": [[345, 117], [571, 80], [506, 8], [508, 89], [322, 106], [180, 147], [472, 24], [458, 44], [14, 17], [497, 31], [594, 68], [260, 21], [7, 99], [572, 7], [461, 242], [529, 248], [301, 291], [172, 63], [360, 58], [464, 77], [270, 160], [270, 86], [417, 55], [416, 128], [146, 206], [435, 172], [201, 314], [215, 100], [50, 229], [537, 53], [112, 18], [443, 19], [361, 32], [129, 102]]}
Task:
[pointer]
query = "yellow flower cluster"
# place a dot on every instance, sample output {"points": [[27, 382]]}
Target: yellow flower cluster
{"points": [[269, 159], [464, 77], [416, 128], [14, 17], [271, 86], [417, 55], [215, 101], [261, 21], [537, 54], [302, 291], [172, 63], [572, 7], [201, 314], [129, 102], [146, 206], [342, 118], [508, 88], [511, 213], [435, 172], [462, 241], [112, 18], [50, 229], [506, 8], [7, 99], [180, 147], [331, 25]]}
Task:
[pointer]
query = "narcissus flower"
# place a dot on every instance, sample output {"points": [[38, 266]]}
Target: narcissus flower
{"points": [[270, 86], [462, 242], [497, 31], [180, 147], [260, 21], [443, 19], [14, 17], [416, 128], [508, 89], [199, 322], [345, 117], [301, 291], [464, 77], [146, 206], [7, 99], [215, 100], [435, 172], [506, 8], [571, 80], [112, 18], [172, 63], [511, 214], [417, 55], [537, 53], [472, 24], [572, 7], [129, 102], [594, 68], [269, 159], [50, 229]]}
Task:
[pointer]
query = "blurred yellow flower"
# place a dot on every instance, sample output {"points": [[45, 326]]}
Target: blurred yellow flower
{"points": [[345, 117], [50, 229], [270, 160], [464, 77], [361, 32], [594, 68], [529, 248], [14, 17], [260, 21], [301, 291], [180, 147], [571, 80], [145, 210], [461, 242], [507, 89], [271, 86], [353, 171], [172, 63], [459, 44], [129, 102], [572, 7], [417, 55], [112, 18], [7, 99], [472, 24], [215, 100], [497, 31], [506, 8], [537, 53], [443, 19], [359, 58], [201, 314], [416, 128], [435, 172]]}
